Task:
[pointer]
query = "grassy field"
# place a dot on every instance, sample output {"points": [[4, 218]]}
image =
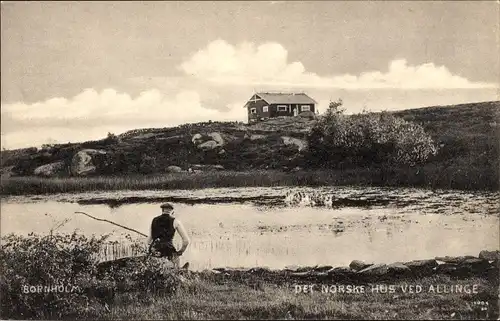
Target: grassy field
{"points": [[203, 299], [425, 176]]}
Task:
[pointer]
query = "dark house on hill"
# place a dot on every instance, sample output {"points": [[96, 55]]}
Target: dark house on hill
{"points": [[269, 105]]}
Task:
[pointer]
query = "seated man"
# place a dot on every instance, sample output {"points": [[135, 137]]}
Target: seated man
{"points": [[163, 228]]}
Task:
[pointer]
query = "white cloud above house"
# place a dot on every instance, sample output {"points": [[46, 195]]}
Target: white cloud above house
{"points": [[267, 64]]}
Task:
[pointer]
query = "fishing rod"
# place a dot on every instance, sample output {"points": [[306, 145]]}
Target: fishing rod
{"points": [[111, 222]]}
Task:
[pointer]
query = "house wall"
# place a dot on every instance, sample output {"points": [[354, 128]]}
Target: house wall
{"points": [[272, 110], [259, 104], [290, 109]]}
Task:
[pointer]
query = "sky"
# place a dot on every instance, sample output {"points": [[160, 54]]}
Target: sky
{"points": [[74, 71]]}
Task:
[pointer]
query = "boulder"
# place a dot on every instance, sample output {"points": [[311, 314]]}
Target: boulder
{"points": [[174, 169], [446, 268], [398, 269], [375, 270], [197, 138], [217, 137], [6, 172], [323, 268], [49, 170], [211, 141], [422, 267], [82, 163], [473, 266], [359, 265], [208, 145], [490, 255], [301, 144], [341, 271]]}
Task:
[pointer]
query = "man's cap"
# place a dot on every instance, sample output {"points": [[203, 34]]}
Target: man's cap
{"points": [[167, 206]]}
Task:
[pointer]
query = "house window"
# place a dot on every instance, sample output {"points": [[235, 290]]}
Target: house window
{"points": [[282, 107], [253, 110], [265, 109], [305, 108]]}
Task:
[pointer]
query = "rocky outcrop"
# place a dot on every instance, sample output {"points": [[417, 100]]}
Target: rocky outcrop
{"points": [[174, 169], [300, 143], [50, 170], [83, 163], [211, 140]]}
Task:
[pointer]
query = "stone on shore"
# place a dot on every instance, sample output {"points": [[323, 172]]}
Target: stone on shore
{"points": [[422, 267], [375, 270], [359, 265], [490, 255]]}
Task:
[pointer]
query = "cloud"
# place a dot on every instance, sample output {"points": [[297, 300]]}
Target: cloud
{"points": [[91, 114], [267, 65]]}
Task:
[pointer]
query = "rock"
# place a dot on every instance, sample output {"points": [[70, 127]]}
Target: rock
{"points": [[82, 163], [306, 268], [208, 145], [398, 269], [473, 266], [174, 169], [49, 170], [217, 137], [257, 137], [323, 268], [222, 151], [490, 255], [422, 267], [208, 167], [6, 172], [197, 138], [343, 270], [375, 270], [301, 144], [259, 270], [359, 265], [446, 268], [453, 259]]}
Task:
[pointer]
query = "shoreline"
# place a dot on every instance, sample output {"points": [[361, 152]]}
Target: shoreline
{"points": [[427, 176]]}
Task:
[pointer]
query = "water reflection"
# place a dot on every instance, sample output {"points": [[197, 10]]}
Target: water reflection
{"points": [[229, 234]]}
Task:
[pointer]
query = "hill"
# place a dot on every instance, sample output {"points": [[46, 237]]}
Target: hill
{"points": [[467, 136]]}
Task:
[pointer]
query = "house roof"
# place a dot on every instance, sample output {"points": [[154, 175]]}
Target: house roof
{"points": [[285, 98]]}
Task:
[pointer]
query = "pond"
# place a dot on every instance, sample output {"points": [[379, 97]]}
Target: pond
{"points": [[277, 227]]}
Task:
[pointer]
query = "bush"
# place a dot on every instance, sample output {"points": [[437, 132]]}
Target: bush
{"points": [[365, 139], [33, 266]]}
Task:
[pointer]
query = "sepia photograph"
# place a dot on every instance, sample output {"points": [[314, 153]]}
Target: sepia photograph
{"points": [[250, 160]]}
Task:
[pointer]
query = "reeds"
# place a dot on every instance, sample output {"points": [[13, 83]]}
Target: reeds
{"points": [[427, 176]]}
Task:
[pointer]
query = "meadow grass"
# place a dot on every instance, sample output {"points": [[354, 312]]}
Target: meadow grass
{"points": [[427, 176], [203, 299]]}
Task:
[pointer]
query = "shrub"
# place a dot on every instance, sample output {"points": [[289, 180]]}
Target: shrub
{"points": [[337, 140], [33, 266]]}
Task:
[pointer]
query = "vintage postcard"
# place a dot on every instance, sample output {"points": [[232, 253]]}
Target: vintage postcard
{"points": [[250, 160]]}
